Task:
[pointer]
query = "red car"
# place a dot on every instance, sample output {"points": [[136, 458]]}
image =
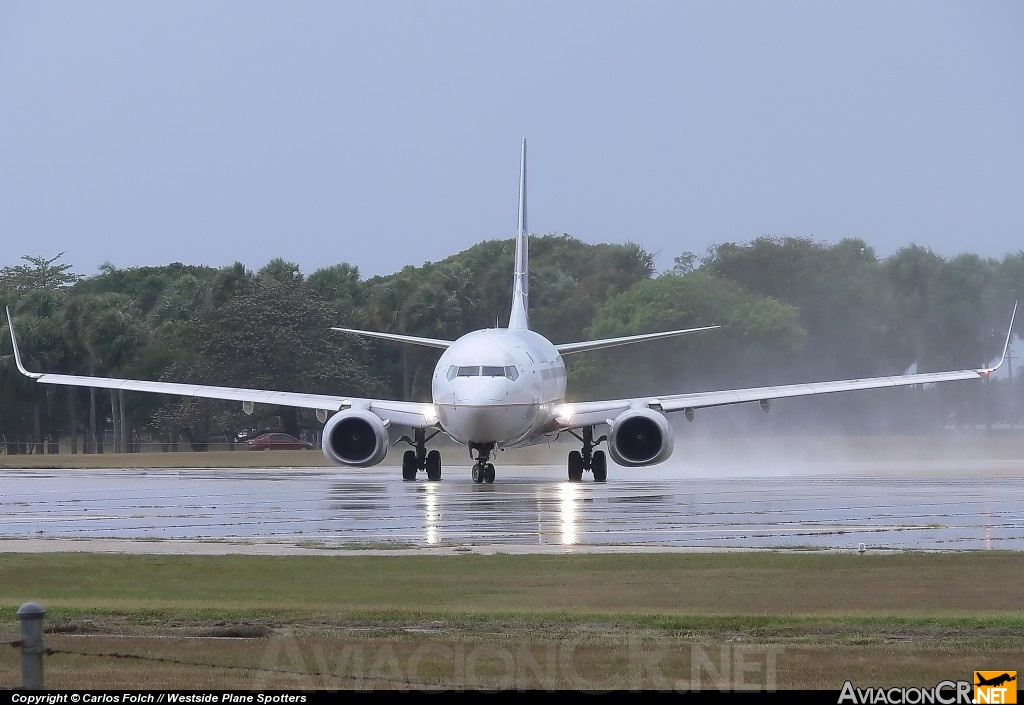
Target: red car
{"points": [[278, 441]]}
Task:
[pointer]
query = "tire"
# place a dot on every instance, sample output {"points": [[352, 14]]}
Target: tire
{"points": [[433, 466], [409, 466], [599, 465], [575, 466]]}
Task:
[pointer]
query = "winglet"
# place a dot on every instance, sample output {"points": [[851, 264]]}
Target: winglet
{"points": [[1009, 334], [520, 284], [17, 355]]}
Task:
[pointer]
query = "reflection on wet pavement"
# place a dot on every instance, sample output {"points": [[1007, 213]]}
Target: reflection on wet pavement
{"points": [[527, 506]]}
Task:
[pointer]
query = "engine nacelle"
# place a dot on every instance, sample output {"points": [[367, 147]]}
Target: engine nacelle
{"points": [[355, 437], [640, 437]]}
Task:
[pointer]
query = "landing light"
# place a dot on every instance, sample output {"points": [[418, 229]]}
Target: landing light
{"points": [[430, 414], [563, 413]]}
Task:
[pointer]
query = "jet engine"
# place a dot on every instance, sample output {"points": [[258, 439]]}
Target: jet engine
{"points": [[640, 437], [355, 437]]}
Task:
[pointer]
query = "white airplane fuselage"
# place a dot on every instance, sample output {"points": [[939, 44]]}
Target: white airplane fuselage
{"points": [[498, 386]]}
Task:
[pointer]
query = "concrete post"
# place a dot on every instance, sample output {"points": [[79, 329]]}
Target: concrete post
{"points": [[30, 617]]}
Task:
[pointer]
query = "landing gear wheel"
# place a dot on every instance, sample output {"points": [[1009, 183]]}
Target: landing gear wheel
{"points": [[588, 459], [599, 464], [483, 471], [434, 466], [575, 466], [409, 466]]}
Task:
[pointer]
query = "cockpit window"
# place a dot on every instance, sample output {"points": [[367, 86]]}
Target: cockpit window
{"points": [[508, 371]]}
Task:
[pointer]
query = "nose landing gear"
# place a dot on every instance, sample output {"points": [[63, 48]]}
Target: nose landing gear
{"points": [[483, 471]]}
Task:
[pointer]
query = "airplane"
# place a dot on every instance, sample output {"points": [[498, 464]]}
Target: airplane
{"points": [[997, 680], [499, 388]]}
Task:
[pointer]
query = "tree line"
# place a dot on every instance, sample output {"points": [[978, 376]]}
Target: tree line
{"points": [[790, 310]]}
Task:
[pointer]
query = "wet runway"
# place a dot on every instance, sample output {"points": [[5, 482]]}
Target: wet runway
{"points": [[923, 506]]}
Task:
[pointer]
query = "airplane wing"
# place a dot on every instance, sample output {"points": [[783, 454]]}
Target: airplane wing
{"points": [[576, 415], [413, 414]]}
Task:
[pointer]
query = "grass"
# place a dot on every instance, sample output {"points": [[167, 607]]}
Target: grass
{"points": [[640, 621], [778, 584], [241, 458]]}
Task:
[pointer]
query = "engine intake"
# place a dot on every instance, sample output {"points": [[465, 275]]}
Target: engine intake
{"points": [[640, 437], [355, 437]]}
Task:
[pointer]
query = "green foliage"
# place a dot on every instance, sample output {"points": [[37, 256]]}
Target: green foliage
{"points": [[835, 289], [281, 270], [758, 334], [340, 285], [791, 310], [229, 281], [272, 335], [39, 274], [571, 279]]}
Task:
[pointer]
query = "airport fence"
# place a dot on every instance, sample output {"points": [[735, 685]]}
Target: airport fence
{"points": [[287, 663], [34, 651], [54, 447]]}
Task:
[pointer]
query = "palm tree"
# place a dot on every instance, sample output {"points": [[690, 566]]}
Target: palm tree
{"points": [[107, 330]]}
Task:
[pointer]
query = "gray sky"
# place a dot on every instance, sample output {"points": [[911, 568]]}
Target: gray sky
{"points": [[387, 133]]}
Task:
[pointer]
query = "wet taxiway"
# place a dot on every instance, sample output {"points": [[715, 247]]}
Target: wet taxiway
{"points": [[919, 506]]}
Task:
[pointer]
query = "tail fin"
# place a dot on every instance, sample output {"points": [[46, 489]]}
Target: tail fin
{"points": [[520, 283]]}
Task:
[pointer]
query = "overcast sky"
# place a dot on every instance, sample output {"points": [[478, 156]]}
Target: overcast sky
{"points": [[387, 133]]}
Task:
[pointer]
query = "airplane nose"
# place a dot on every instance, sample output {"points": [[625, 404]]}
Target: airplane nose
{"points": [[482, 391], [486, 410], [486, 423]]}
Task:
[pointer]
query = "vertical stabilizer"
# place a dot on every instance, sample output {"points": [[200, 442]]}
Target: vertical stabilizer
{"points": [[520, 283]]}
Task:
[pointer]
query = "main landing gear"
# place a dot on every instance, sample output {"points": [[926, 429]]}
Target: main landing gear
{"points": [[588, 458], [483, 471], [420, 459]]}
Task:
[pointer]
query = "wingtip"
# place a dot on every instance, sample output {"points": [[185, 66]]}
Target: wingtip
{"points": [[14, 346], [987, 371]]}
